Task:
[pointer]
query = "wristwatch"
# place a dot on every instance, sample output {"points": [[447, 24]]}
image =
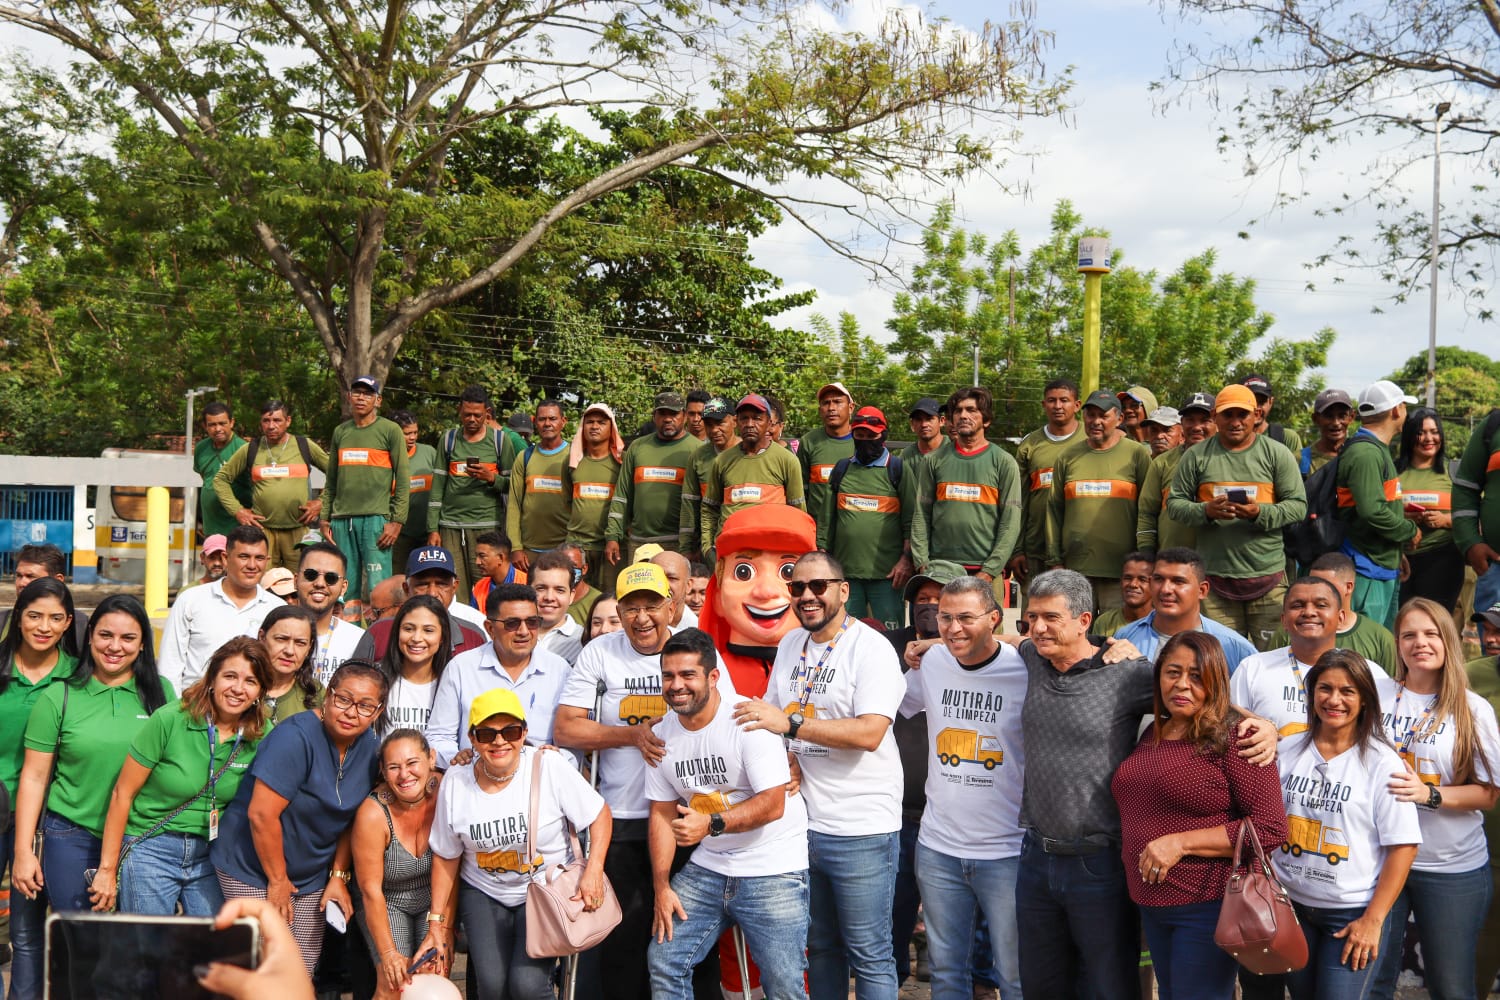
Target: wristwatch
{"points": [[436, 918], [1434, 797], [715, 824], [796, 721], [336, 873]]}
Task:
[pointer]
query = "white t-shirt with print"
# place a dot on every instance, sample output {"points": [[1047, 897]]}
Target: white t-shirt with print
{"points": [[1266, 685], [850, 793], [976, 760], [408, 705], [718, 767], [488, 829], [1341, 819], [334, 648], [1452, 839], [632, 692]]}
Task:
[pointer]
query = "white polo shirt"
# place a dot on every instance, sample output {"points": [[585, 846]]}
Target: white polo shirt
{"points": [[202, 619]]}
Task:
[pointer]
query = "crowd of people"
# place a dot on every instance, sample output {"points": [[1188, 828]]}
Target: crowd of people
{"points": [[766, 681]]}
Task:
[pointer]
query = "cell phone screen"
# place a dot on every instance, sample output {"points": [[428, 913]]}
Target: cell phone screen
{"points": [[1237, 496], [116, 956]]}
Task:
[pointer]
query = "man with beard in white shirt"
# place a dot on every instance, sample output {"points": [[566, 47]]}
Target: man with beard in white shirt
{"points": [[321, 582], [623, 670], [722, 791], [841, 685]]}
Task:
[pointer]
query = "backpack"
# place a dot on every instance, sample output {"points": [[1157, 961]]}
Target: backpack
{"points": [[450, 438], [1276, 432], [1321, 531], [302, 448], [836, 478]]}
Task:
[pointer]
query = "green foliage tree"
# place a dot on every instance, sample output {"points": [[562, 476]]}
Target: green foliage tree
{"points": [[1185, 333], [329, 133], [1297, 81], [1468, 387]]}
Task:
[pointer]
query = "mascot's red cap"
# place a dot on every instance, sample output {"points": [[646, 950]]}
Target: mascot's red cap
{"points": [[766, 527]]}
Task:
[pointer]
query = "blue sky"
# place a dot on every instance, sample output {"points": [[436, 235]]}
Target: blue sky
{"points": [[1156, 180]]}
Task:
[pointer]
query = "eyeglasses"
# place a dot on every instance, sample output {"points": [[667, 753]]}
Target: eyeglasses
{"points": [[818, 587], [485, 735], [342, 703], [641, 610], [965, 620], [532, 623], [311, 576]]}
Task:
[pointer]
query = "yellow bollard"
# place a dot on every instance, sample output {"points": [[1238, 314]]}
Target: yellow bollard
{"points": [[1093, 288], [158, 545]]}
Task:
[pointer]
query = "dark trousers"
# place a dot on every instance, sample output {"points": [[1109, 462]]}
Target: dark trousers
{"points": [[1437, 574], [1079, 932], [616, 969]]}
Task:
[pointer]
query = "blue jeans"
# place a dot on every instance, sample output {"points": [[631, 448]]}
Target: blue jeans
{"points": [[1450, 910], [770, 909], [1079, 932], [497, 949], [852, 880], [1326, 977], [906, 900], [954, 891], [28, 921], [1189, 966], [1487, 589], [168, 868], [68, 850]]}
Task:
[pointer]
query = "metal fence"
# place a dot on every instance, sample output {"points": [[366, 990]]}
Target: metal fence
{"points": [[31, 515]]}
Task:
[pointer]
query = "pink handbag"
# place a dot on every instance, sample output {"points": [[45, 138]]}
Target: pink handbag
{"points": [[556, 923]]}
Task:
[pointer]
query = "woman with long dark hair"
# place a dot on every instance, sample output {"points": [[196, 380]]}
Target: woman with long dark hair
{"points": [[1436, 568], [418, 652], [1183, 794], [76, 740], [289, 635], [37, 650]]}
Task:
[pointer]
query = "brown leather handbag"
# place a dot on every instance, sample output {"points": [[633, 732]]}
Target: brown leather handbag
{"points": [[1257, 924]]}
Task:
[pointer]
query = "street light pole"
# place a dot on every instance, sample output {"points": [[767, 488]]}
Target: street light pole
{"points": [[1432, 306]]}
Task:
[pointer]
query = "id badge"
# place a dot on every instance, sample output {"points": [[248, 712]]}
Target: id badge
{"points": [[213, 825]]}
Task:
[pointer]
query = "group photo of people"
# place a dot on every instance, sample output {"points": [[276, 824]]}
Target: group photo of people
{"points": [[712, 707]]}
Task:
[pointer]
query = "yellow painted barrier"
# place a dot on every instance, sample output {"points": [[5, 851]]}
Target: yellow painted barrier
{"points": [[158, 538]]}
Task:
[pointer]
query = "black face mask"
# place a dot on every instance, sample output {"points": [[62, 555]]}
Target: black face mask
{"points": [[925, 618], [866, 452]]}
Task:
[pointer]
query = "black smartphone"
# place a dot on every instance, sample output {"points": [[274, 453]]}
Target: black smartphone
{"points": [[1237, 496], [123, 956]]}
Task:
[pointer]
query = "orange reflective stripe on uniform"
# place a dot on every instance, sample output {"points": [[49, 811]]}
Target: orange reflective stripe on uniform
{"points": [[421, 484], [376, 457], [1099, 489], [1254, 492], [860, 503], [593, 491], [1041, 479], [1430, 500], [659, 474], [969, 493], [820, 473], [460, 468], [544, 484], [1391, 492], [754, 493], [1494, 463], [263, 472]]}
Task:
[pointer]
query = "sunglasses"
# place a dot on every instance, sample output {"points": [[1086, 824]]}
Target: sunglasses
{"points": [[532, 623], [818, 587], [485, 735], [311, 576]]}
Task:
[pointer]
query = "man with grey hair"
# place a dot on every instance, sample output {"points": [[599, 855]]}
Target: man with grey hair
{"points": [[1079, 932], [972, 688], [679, 574]]}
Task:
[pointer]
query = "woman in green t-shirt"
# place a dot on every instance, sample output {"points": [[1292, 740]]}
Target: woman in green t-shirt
{"points": [[1436, 567], [37, 650], [184, 765], [86, 724], [288, 634]]}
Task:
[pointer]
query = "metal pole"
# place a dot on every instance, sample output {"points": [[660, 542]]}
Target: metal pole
{"points": [[1093, 292], [1432, 306], [976, 360], [570, 968], [189, 499]]}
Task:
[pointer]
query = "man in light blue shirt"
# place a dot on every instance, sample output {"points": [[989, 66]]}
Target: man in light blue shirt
{"points": [[1178, 586], [511, 661]]}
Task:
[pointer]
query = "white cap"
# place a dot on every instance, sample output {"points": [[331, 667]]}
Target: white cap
{"points": [[1165, 416], [1381, 397]]}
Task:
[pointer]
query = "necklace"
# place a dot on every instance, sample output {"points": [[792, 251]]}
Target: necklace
{"points": [[497, 779]]}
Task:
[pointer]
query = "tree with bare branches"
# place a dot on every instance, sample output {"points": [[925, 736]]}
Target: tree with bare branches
{"points": [[1294, 80], [328, 126]]}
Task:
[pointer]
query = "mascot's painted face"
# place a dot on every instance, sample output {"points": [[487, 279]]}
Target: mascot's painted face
{"points": [[752, 596]]}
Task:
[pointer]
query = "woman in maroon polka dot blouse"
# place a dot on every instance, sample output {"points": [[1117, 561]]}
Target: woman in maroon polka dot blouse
{"points": [[1182, 794]]}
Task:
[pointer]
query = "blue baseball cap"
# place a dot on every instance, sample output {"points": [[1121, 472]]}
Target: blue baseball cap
{"points": [[430, 557]]}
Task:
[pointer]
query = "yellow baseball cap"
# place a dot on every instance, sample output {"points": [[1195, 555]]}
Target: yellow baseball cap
{"points": [[642, 576], [495, 701], [647, 551]]}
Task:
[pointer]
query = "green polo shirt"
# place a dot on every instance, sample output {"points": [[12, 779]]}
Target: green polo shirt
{"points": [[173, 746], [294, 701], [16, 702], [100, 724]]}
